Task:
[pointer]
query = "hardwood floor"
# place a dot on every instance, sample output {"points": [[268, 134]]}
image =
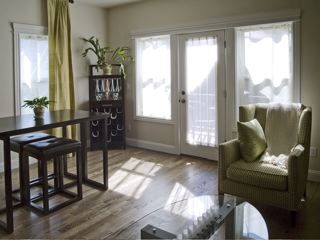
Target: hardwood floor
{"points": [[141, 181]]}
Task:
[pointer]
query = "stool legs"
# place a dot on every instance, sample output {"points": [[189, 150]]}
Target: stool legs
{"points": [[45, 186], [79, 174], [61, 172], [39, 171], [59, 186], [23, 168], [21, 173], [25, 187], [55, 172]]}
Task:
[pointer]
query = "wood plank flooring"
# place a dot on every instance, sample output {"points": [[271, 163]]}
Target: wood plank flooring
{"points": [[141, 181]]}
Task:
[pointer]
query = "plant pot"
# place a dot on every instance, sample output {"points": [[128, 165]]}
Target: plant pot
{"points": [[107, 69], [38, 112]]}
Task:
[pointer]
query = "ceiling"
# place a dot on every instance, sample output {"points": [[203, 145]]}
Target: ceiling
{"points": [[105, 3]]}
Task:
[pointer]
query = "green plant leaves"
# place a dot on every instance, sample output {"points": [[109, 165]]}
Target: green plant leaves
{"points": [[107, 55], [37, 102]]}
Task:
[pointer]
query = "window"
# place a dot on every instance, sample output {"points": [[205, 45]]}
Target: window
{"points": [[31, 64], [153, 77], [264, 63]]}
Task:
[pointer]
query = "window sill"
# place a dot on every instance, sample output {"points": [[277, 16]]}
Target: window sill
{"points": [[153, 120]]}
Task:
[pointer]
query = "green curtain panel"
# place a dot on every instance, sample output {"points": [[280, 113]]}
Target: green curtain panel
{"points": [[61, 84]]}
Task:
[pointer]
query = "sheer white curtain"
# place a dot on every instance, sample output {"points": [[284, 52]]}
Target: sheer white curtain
{"points": [[153, 77], [264, 63], [201, 81], [34, 75]]}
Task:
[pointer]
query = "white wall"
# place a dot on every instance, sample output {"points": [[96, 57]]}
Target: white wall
{"points": [[86, 21], [155, 14]]}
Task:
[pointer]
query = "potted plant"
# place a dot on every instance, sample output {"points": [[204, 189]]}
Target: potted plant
{"points": [[107, 56], [121, 56], [38, 105]]}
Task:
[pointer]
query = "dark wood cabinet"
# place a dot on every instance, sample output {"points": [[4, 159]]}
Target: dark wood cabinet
{"points": [[106, 94]]}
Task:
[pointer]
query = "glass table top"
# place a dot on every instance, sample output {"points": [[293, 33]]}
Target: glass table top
{"points": [[203, 217]]}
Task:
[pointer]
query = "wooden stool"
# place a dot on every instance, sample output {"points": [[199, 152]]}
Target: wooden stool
{"points": [[56, 149], [16, 145]]}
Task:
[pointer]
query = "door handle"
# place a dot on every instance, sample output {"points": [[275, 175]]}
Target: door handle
{"points": [[183, 100], [183, 92]]}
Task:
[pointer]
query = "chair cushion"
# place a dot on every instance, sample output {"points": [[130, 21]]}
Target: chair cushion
{"points": [[252, 140], [259, 174]]}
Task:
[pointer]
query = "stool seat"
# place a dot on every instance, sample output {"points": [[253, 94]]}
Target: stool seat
{"points": [[18, 141], [51, 146]]}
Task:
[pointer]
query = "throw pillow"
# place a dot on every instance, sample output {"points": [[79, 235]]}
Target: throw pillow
{"points": [[252, 140]]}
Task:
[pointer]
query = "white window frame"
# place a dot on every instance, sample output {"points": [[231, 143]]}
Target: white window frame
{"points": [[232, 108], [173, 85], [19, 29]]}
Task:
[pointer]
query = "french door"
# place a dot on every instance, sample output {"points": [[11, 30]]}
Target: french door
{"points": [[202, 93]]}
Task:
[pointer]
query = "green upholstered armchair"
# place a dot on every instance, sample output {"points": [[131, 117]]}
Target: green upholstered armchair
{"points": [[266, 183]]}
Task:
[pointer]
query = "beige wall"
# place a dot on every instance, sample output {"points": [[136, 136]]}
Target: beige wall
{"points": [[85, 22], [153, 14], [310, 68], [30, 12]]}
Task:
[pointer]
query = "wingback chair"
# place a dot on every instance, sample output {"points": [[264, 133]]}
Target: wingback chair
{"points": [[266, 183]]}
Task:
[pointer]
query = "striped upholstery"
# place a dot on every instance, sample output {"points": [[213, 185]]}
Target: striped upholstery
{"points": [[258, 174], [251, 111], [267, 184]]}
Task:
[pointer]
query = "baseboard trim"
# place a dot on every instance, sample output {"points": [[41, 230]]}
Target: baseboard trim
{"points": [[160, 147], [314, 175]]}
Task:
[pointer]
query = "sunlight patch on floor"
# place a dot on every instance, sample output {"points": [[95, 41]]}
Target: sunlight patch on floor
{"points": [[142, 166], [133, 177]]}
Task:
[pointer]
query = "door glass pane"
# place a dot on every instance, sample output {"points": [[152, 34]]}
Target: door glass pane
{"points": [[201, 79], [34, 75]]}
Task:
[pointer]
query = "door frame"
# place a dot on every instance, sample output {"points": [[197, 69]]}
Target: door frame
{"points": [[221, 92]]}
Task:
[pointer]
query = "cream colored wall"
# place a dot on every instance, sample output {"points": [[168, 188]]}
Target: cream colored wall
{"points": [[310, 69], [153, 14], [30, 12], [85, 22]]}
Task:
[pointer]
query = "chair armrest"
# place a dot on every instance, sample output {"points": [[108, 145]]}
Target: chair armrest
{"points": [[228, 153], [297, 150], [298, 172]]}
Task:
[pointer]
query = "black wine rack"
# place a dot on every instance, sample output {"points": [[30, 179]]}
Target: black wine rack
{"points": [[106, 95]]}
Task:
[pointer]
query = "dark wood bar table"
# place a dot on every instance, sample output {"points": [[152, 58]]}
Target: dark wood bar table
{"points": [[11, 126]]}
